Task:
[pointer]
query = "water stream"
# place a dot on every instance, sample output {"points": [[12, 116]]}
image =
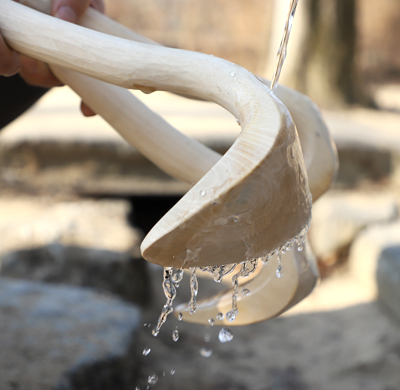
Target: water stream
{"points": [[284, 43]]}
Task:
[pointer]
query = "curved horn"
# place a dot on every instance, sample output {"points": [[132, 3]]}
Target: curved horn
{"points": [[261, 179]]}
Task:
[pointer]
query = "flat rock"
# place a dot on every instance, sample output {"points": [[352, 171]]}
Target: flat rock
{"points": [[367, 249], [388, 279], [85, 243], [339, 216], [64, 338]]}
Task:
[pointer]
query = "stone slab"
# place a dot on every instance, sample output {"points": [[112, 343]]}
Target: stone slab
{"points": [[52, 337], [388, 279], [339, 216], [366, 250]]}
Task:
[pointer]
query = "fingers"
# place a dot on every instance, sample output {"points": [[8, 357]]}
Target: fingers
{"points": [[72, 10], [69, 10], [37, 73], [98, 5], [9, 63]]}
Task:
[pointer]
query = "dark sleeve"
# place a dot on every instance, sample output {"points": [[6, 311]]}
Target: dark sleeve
{"points": [[16, 97]]}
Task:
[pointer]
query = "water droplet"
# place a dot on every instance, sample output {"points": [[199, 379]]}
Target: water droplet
{"points": [[202, 193], [173, 371], [164, 373], [220, 316], [211, 321], [149, 325], [155, 332], [145, 324], [300, 246], [233, 74], [146, 351], [279, 271], [246, 292], [236, 218], [152, 380], [175, 335], [180, 316], [231, 315], [214, 202], [137, 388], [238, 122], [206, 352], [147, 387], [225, 335]]}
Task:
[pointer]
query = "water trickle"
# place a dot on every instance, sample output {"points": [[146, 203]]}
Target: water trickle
{"points": [[225, 335], [283, 46], [146, 351], [220, 316], [175, 335], [152, 379], [170, 293], [247, 268], [177, 276], [279, 271], [206, 352], [211, 321], [194, 289]]}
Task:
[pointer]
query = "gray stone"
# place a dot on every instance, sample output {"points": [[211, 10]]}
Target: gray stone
{"points": [[84, 243], [64, 338], [388, 279], [367, 249], [339, 216]]}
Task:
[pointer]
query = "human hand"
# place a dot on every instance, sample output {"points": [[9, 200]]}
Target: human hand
{"points": [[35, 72]]}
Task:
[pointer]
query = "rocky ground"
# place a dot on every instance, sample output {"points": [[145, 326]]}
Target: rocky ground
{"points": [[74, 292]]}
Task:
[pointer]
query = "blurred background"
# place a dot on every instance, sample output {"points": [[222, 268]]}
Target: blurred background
{"points": [[77, 302]]}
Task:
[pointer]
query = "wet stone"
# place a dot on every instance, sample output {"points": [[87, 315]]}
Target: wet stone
{"points": [[64, 338]]}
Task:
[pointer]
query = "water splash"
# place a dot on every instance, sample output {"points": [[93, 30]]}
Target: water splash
{"points": [[219, 271], [175, 335], [283, 46], [152, 379], [206, 352], [225, 335]]}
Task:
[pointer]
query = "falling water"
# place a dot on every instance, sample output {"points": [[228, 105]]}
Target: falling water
{"points": [[283, 46], [169, 287]]}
